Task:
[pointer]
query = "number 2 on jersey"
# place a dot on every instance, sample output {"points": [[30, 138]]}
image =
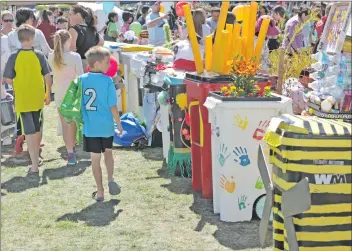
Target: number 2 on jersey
{"points": [[92, 96]]}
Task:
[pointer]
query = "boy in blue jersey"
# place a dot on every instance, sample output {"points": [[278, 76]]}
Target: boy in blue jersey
{"points": [[99, 109]]}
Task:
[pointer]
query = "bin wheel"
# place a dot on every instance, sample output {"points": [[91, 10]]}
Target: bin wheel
{"points": [[259, 207]]}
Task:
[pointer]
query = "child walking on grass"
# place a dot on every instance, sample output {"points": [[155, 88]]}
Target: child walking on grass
{"points": [[99, 109], [67, 66], [24, 70]]}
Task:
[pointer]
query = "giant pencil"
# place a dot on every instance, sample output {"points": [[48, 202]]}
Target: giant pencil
{"points": [[261, 39], [251, 29], [193, 38], [222, 56], [208, 52], [235, 35], [217, 65], [228, 51]]}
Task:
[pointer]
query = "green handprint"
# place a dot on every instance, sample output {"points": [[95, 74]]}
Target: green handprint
{"points": [[222, 154], [242, 202], [259, 184]]}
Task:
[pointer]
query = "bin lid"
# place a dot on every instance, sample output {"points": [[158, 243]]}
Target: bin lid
{"points": [[211, 78], [174, 77], [294, 130]]}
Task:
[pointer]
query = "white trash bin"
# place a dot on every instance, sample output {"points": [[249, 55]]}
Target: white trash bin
{"points": [[238, 128]]}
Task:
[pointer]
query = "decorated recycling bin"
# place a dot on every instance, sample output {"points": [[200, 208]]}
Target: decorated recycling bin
{"points": [[179, 155], [171, 78], [316, 151], [131, 87], [198, 87], [238, 125]]}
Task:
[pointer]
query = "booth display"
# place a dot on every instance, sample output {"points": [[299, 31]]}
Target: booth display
{"points": [[316, 152], [336, 28], [331, 95], [238, 126]]}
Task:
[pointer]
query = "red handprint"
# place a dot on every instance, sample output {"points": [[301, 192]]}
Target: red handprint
{"points": [[260, 131]]}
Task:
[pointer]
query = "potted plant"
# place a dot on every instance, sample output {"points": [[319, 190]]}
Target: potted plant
{"points": [[246, 86]]}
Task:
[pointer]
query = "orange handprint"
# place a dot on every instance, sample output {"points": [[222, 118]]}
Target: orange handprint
{"points": [[228, 186]]}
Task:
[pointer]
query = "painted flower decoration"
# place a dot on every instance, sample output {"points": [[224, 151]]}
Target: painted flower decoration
{"points": [[186, 134], [188, 119], [181, 101]]}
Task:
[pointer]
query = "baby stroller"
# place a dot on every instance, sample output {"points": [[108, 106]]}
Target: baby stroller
{"points": [[134, 134]]}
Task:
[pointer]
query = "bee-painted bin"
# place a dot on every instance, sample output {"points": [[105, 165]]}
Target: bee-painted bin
{"points": [[318, 150]]}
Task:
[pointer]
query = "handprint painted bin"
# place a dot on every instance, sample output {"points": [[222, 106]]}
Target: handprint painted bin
{"points": [[198, 88], [238, 126], [319, 149]]}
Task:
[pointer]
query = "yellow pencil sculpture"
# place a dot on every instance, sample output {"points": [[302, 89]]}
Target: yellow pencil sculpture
{"points": [[222, 57], [238, 48], [208, 52], [251, 29], [193, 38], [228, 50], [216, 64], [244, 46], [235, 35], [261, 39], [245, 23]]}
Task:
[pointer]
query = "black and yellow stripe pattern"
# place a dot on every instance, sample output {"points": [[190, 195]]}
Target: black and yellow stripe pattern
{"points": [[320, 150]]}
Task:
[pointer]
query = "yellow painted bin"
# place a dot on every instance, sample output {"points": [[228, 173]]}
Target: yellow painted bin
{"points": [[319, 149]]}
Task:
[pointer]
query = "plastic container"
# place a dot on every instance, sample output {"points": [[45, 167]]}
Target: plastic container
{"points": [[198, 88], [320, 150], [238, 126], [7, 113]]}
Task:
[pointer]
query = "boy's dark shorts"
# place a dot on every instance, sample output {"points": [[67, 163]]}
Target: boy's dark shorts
{"points": [[31, 122], [97, 145]]}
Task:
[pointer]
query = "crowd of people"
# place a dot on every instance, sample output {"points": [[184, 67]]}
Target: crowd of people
{"points": [[43, 55]]}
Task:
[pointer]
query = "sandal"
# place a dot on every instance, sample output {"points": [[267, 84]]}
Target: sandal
{"points": [[30, 172], [98, 199], [114, 188]]}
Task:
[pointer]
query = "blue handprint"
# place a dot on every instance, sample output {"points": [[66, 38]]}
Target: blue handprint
{"points": [[242, 156], [223, 154]]}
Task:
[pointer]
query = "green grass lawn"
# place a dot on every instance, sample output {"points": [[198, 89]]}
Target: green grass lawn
{"points": [[154, 211]]}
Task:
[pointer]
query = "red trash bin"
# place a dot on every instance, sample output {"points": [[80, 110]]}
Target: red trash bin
{"points": [[198, 88]]}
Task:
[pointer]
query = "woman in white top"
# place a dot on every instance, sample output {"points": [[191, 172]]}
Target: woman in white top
{"points": [[26, 16], [5, 53], [66, 66], [202, 29]]}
